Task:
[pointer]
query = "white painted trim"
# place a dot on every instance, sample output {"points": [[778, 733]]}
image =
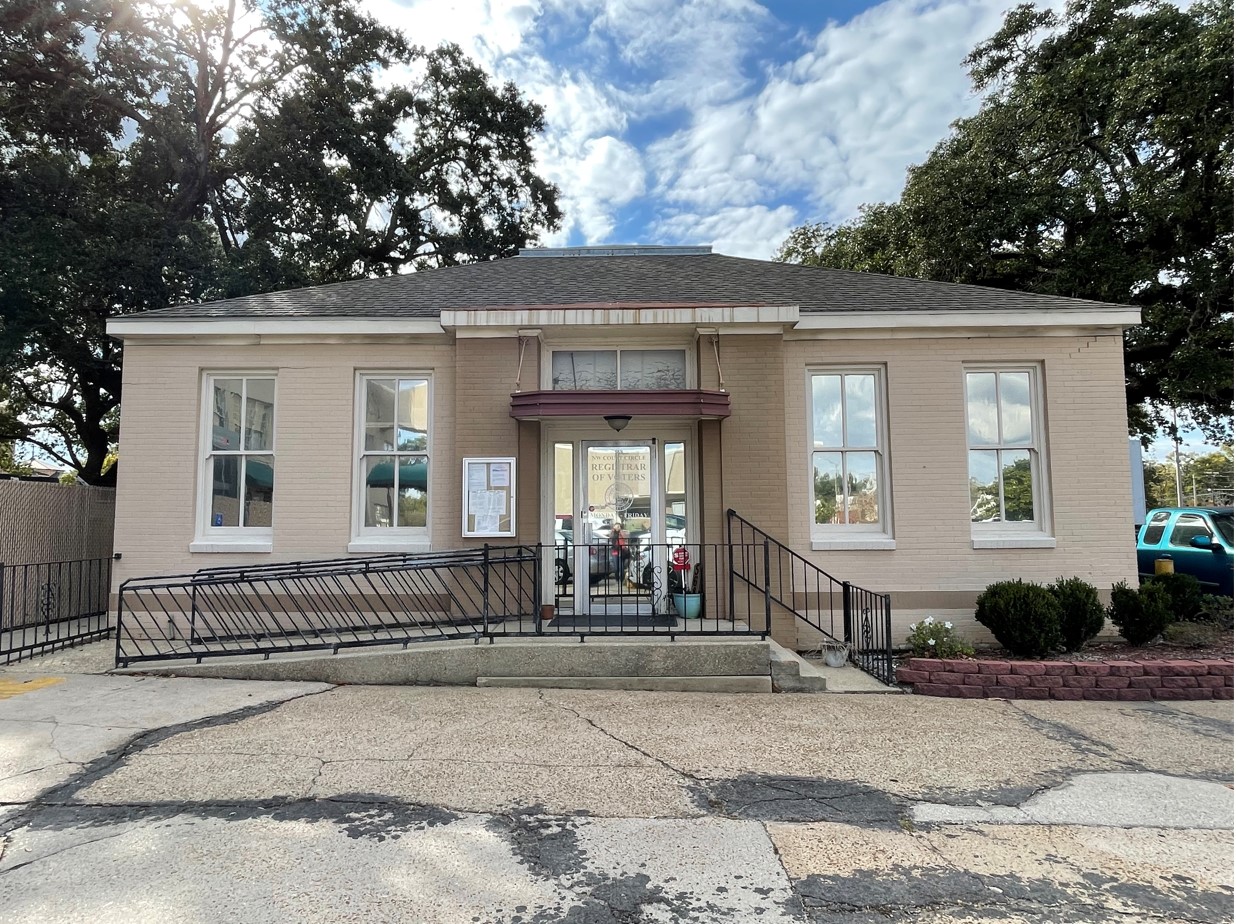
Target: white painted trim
{"points": [[944, 333], [232, 546], [962, 318], [1013, 542], [123, 328], [514, 318], [881, 544]]}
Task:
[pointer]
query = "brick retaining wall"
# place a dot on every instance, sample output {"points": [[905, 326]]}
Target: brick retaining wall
{"points": [[1122, 681]]}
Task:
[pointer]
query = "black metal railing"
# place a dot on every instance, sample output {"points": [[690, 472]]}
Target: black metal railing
{"points": [[46, 606], [673, 588], [327, 604], [837, 609]]}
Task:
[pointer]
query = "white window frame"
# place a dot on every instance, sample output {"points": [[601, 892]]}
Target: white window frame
{"points": [[208, 538], [387, 538], [549, 349], [1035, 534], [857, 536]]}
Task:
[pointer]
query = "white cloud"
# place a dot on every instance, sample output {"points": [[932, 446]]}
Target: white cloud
{"points": [[710, 117]]}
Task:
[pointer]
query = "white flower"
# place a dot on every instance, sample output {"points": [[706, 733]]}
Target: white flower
{"points": [[930, 620], [913, 626], [948, 625], [931, 641]]}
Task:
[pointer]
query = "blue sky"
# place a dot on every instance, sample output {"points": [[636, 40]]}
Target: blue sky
{"points": [[725, 122], [722, 122]]}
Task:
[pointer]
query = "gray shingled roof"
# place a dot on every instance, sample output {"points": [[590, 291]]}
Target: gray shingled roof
{"points": [[611, 281]]}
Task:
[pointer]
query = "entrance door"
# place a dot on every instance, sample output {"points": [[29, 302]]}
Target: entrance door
{"points": [[619, 504]]}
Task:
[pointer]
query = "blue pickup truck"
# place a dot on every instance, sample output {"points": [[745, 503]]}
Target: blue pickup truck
{"points": [[1198, 540]]}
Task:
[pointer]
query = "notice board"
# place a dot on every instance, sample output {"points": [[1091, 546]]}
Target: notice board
{"points": [[489, 497]]}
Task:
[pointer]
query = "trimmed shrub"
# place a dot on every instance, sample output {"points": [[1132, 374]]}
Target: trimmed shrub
{"points": [[1185, 593], [1141, 614], [1081, 611], [931, 639], [1024, 618], [1217, 611], [1191, 634]]}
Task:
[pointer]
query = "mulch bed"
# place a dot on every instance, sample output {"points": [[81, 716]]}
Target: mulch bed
{"points": [[1118, 649]]}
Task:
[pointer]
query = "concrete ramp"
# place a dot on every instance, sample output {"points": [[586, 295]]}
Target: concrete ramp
{"points": [[706, 665]]}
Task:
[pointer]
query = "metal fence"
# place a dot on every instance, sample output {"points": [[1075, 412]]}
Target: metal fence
{"points": [[45, 606], [839, 610]]}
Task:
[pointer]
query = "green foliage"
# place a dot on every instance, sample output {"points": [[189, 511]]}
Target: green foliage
{"points": [[158, 154], [1205, 479], [1191, 634], [1216, 610], [1024, 618], [1184, 593], [932, 639], [1081, 611], [1141, 614], [1099, 166]]}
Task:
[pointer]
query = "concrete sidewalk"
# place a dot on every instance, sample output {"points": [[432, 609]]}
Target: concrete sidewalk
{"points": [[466, 805]]}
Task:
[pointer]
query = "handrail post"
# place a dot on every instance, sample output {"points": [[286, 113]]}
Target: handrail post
{"points": [[537, 564], [847, 613], [767, 589], [485, 590], [888, 638], [119, 618], [729, 542]]}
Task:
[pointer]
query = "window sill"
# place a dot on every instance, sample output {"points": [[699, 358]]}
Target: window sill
{"points": [[230, 545], [393, 544], [1013, 542], [874, 544]]}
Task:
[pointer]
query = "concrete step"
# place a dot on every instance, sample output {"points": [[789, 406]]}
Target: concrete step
{"points": [[716, 684], [792, 674]]}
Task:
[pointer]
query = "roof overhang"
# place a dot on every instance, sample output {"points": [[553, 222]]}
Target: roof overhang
{"points": [[136, 326], [690, 403], [505, 321], [1114, 316]]}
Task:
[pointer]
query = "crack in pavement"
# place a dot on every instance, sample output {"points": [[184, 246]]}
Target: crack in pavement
{"points": [[106, 763], [1078, 740]]}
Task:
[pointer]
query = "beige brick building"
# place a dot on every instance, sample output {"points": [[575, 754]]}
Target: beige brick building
{"points": [[917, 439]]}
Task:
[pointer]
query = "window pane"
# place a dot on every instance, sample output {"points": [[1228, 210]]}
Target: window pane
{"points": [[225, 432], [259, 413], [675, 493], [862, 484], [572, 370], [1015, 409], [413, 419], [380, 491], [225, 491], [829, 497], [982, 425], [1018, 486], [654, 368], [1158, 523], [1187, 527], [259, 489], [379, 438], [860, 411], [826, 411], [413, 492], [984, 487], [380, 401]]}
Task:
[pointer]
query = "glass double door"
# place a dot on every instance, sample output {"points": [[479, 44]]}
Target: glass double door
{"points": [[628, 502]]}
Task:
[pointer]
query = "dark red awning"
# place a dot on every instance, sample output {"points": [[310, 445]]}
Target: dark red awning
{"points": [[696, 403]]}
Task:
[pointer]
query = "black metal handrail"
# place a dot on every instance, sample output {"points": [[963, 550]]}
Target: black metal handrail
{"points": [[325, 604], [46, 606], [817, 598]]}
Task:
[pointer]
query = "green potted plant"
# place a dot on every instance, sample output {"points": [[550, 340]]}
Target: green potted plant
{"points": [[687, 591]]}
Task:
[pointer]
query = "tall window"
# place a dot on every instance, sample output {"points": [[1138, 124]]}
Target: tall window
{"points": [[240, 460], [1004, 438], [394, 453], [575, 370], [847, 451]]}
